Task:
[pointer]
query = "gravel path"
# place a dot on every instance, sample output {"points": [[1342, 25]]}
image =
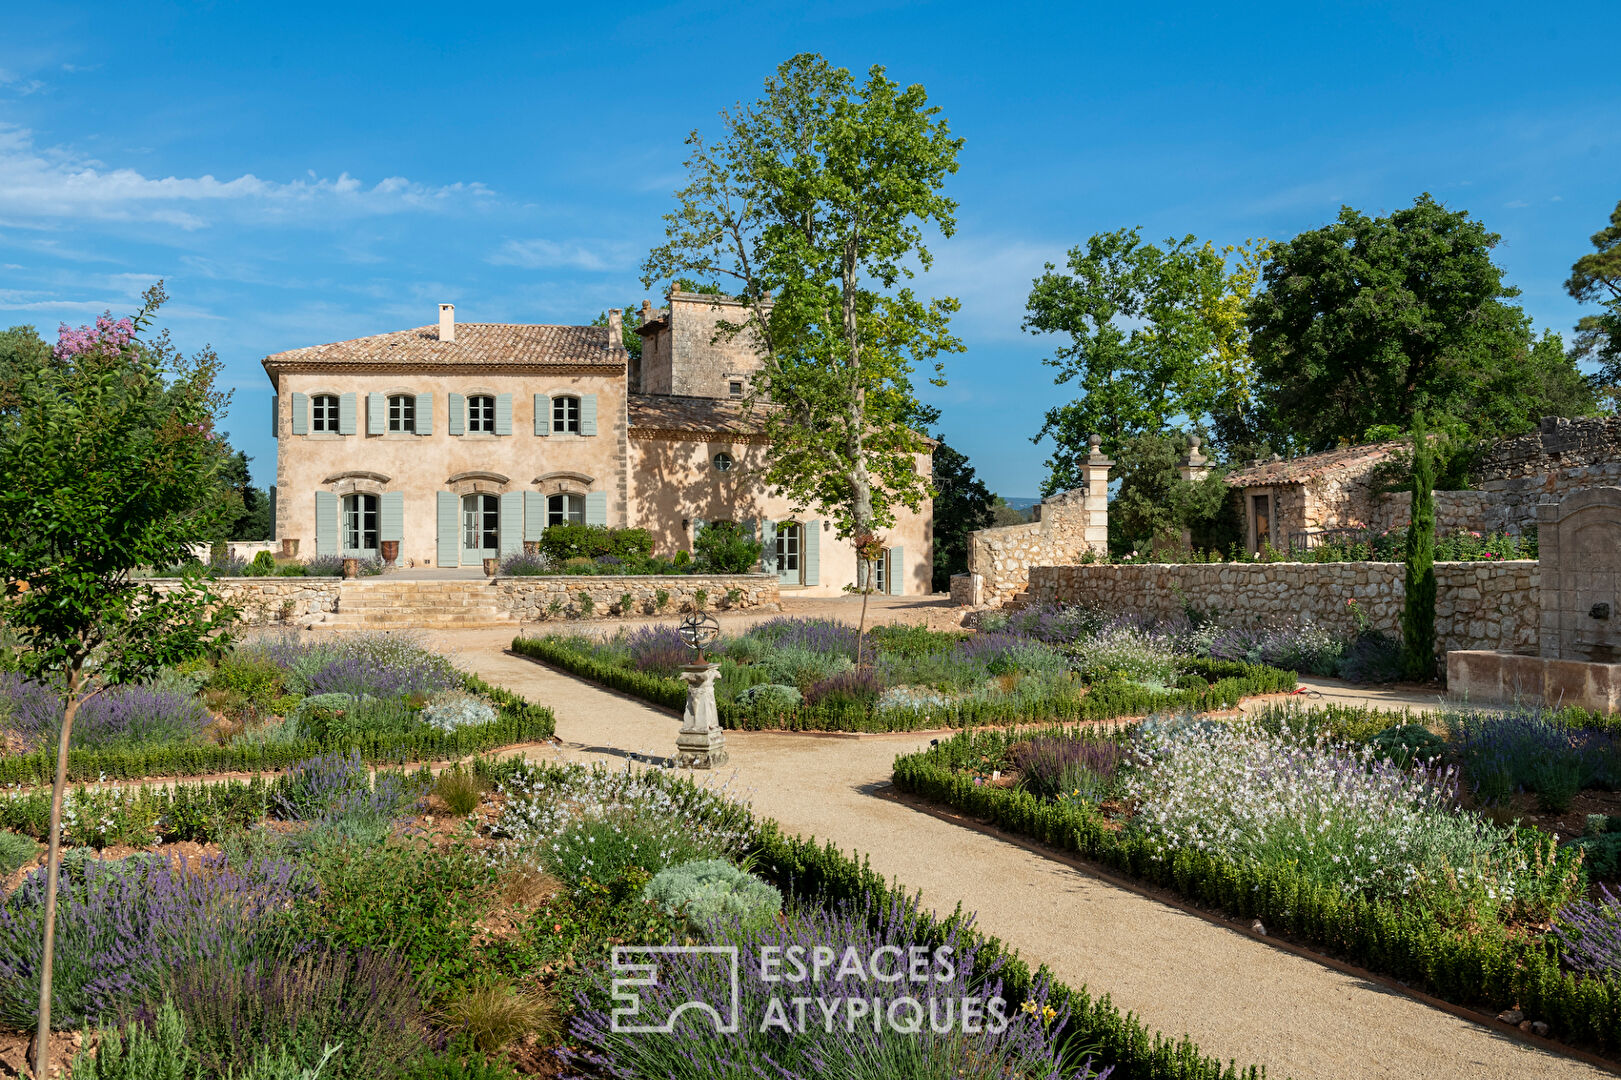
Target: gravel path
{"points": [[1237, 997]]}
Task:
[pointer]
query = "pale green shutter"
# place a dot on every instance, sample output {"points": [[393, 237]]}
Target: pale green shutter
{"points": [[543, 414], [376, 414], [596, 508], [503, 417], [812, 532], [424, 414], [534, 515], [697, 528], [588, 414], [275, 416], [391, 516], [512, 518], [768, 546], [449, 529], [301, 414], [895, 572], [458, 414], [326, 523], [346, 414]]}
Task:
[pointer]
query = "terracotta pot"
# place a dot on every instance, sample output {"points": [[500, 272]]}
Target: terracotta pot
{"points": [[289, 547], [491, 566], [391, 551], [351, 568], [531, 547]]}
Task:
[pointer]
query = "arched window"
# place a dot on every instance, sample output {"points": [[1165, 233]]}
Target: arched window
{"points": [[481, 413], [565, 509], [324, 412], [360, 524], [566, 415], [402, 412]]}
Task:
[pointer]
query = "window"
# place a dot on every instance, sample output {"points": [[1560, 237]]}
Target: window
{"points": [[736, 387], [565, 510], [481, 525], [324, 412], [481, 413], [879, 584], [790, 540], [359, 523], [402, 413], [566, 415], [723, 462]]}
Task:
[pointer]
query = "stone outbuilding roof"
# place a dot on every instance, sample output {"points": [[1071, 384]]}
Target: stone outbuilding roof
{"points": [[476, 344], [667, 415], [1341, 461]]}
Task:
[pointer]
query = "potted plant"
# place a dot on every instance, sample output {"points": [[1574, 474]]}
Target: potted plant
{"points": [[491, 566]]}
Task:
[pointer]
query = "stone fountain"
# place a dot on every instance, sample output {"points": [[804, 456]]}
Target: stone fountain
{"points": [[1579, 655]]}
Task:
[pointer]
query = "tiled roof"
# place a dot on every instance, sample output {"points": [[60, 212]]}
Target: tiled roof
{"points": [[476, 343], [670, 412], [1345, 459]]}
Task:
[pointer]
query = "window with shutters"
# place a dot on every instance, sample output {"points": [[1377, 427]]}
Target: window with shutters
{"points": [[481, 413], [880, 580], [359, 523], [324, 412], [566, 415], [402, 413], [790, 544], [565, 510]]}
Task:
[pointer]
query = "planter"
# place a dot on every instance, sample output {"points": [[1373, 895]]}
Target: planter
{"points": [[531, 547], [390, 551], [351, 568], [491, 566], [289, 547]]}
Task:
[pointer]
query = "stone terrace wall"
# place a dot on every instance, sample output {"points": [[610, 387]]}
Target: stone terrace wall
{"points": [[1002, 557], [1479, 605], [530, 598], [272, 599]]}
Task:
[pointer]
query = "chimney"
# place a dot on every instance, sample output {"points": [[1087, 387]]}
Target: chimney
{"points": [[447, 322], [616, 329]]}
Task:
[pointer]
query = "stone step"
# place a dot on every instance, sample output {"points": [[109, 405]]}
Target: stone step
{"points": [[425, 621]]}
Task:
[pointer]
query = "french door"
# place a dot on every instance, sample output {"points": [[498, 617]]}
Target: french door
{"points": [[481, 528]]}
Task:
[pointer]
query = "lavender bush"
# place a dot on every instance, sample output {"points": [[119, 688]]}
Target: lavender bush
{"points": [[376, 665], [338, 786], [814, 635], [1589, 934], [1084, 768], [658, 649], [121, 926], [524, 564], [924, 1028], [856, 688], [1526, 749], [1296, 644], [117, 717]]}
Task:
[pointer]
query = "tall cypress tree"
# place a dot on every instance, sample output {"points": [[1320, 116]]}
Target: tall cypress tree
{"points": [[1418, 608]]}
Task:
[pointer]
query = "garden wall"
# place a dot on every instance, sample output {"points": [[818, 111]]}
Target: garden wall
{"points": [[272, 600], [530, 598], [1479, 605]]}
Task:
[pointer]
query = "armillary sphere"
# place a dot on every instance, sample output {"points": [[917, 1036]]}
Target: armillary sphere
{"points": [[699, 631]]}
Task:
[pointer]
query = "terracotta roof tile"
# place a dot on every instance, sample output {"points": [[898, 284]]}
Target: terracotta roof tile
{"points": [[1345, 459], [670, 412], [476, 343]]}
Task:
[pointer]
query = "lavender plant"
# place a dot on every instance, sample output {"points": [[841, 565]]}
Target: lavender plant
{"points": [[1082, 767], [338, 786], [1589, 934], [120, 716], [658, 649], [857, 688]]}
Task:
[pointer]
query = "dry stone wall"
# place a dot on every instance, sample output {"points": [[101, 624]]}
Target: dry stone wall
{"points": [[1001, 558], [1479, 605], [530, 599], [263, 601]]}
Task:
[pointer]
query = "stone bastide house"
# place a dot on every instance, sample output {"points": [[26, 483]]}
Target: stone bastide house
{"points": [[455, 443]]}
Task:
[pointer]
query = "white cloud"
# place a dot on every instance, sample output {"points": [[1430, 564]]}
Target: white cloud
{"points": [[540, 254], [42, 185], [1516, 204]]}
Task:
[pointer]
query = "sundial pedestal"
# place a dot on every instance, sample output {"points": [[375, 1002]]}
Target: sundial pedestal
{"points": [[702, 742]]}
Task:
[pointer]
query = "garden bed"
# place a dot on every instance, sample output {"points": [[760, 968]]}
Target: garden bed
{"points": [[412, 928], [801, 675], [266, 704], [1356, 833]]}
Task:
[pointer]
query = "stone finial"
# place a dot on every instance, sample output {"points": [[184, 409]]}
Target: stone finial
{"points": [[1095, 441], [1276, 458]]}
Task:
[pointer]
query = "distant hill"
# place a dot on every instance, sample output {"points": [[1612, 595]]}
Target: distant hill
{"points": [[1020, 504]]}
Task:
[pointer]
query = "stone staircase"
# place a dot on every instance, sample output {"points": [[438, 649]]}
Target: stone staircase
{"points": [[388, 603]]}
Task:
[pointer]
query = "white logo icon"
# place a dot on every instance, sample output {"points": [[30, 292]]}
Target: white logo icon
{"points": [[628, 1016]]}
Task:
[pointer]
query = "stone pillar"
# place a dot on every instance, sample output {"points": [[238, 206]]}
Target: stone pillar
{"points": [[1096, 473], [1195, 466], [701, 743]]}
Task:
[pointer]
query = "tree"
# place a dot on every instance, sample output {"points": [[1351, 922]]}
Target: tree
{"points": [[1418, 604], [1003, 514], [627, 332], [21, 350], [1154, 506], [1596, 278], [961, 505], [1368, 321], [813, 203], [249, 518], [108, 463], [1156, 335]]}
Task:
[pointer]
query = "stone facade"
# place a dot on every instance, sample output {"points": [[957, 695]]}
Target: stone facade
{"points": [[530, 598], [686, 353], [1479, 605]]}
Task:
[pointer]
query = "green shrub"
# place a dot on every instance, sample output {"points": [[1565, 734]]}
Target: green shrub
{"points": [[1407, 744], [575, 541], [263, 565], [453, 1066], [256, 678], [495, 1015], [713, 889], [160, 1052], [16, 851], [459, 789], [768, 698], [723, 547]]}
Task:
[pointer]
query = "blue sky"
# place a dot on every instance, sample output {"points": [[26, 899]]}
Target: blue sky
{"points": [[304, 173]]}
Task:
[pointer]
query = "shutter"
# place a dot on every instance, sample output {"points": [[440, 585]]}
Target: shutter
{"points": [[458, 414], [301, 414], [326, 523], [895, 571], [376, 414], [450, 538], [534, 515], [273, 535], [275, 416], [812, 555], [596, 508], [768, 546], [424, 414], [391, 516], [543, 414], [346, 414], [588, 414], [503, 420], [512, 516], [697, 527]]}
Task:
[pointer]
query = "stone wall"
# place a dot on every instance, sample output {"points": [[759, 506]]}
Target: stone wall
{"points": [[1479, 605], [268, 600], [529, 599], [1001, 558]]}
